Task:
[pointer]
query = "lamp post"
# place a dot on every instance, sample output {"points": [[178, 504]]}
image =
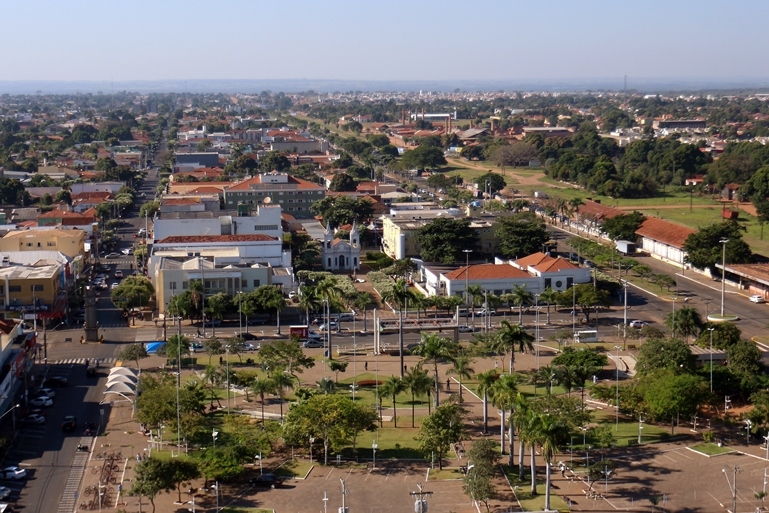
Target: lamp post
{"points": [[766, 440], [640, 427], [748, 425], [536, 327], [374, 448], [467, 282], [711, 358], [616, 398], [624, 318], [673, 323], [723, 274], [312, 441], [214, 434], [34, 309]]}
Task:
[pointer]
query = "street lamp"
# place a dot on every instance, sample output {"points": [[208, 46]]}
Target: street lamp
{"points": [[374, 448], [312, 441], [640, 427], [214, 435], [227, 353], [467, 281], [711, 358], [624, 318], [723, 274], [616, 399], [748, 425]]}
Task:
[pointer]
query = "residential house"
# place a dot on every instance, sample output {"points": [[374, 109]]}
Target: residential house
{"points": [[86, 200]]}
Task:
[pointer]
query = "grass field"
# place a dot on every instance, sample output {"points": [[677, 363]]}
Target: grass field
{"points": [[293, 469], [447, 474], [530, 502], [710, 449]]}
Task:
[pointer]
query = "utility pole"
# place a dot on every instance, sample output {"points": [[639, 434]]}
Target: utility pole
{"points": [[420, 505], [345, 491], [733, 485]]}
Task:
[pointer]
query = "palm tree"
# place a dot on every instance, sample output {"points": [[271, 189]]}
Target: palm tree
{"points": [[398, 295], [512, 336], [550, 432], [328, 289], [309, 301], [521, 416], [566, 377], [362, 301], [326, 385], [393, 387], [520, 296], [282, 381], [246, 307], [262, 387], [549, 297], [196, 295], [574, 204], [503, 395], [461, 367], [485, 381], [277, 302], [213, 377], [475, 292], [432, 350], [687, 322], [418, 382], [548, 375], [562, 207]]}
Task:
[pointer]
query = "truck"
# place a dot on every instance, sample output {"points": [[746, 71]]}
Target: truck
{"points": [[625, 247], [303, 332]]}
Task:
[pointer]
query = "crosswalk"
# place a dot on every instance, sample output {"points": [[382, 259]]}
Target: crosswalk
{"points": [[75, 477], [81, 361]]}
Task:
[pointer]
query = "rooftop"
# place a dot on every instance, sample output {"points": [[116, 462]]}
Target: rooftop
{"points": [[487, 272], [222, 239], [664, 231]]}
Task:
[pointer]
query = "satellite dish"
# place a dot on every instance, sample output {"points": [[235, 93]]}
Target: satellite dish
{"points": [[267, 200]]}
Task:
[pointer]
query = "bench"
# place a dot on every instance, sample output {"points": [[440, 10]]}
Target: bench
{"points": [[631, 346]]}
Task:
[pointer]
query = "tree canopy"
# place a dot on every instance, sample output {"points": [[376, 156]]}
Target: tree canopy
{"points": [[423, 157], [444, 239], [521, 234], [623, 226], [704, 249]]}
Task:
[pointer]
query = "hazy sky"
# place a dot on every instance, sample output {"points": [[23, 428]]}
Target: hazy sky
{"points": [[377, 40]]}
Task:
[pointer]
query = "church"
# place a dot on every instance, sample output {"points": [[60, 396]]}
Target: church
{"points": [[340, 254]]}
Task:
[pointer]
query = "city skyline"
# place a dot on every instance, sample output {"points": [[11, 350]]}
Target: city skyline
{"points": [[495, 42]]}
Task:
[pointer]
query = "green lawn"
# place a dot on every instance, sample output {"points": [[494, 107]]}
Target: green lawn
{"points": [[710, 449], [447, 474], [530, 502], [297, 468], [627, 434], [391, 443]]}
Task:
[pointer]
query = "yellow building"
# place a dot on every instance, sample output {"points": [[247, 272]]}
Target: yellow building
{"points": [[399, 232], [70, 243], [26, 290]]}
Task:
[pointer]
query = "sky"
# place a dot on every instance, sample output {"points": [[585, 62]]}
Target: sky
{"points": [[442, 40]]}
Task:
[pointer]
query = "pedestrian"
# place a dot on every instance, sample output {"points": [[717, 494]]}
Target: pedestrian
{"points": [[365, 366], [405, 369], [221, 360], [563, 472], [138, 457], [448, 384]]}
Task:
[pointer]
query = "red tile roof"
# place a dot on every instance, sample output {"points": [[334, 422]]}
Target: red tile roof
{"points": [[555, 265], [487, 272], [599, 211], [664, 231], [533, 259], [179, 201], [65, 214], [246, 184], [192, 239]]}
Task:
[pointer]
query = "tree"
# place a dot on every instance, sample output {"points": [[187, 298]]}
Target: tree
{"points": [[518, 154], [550, 432], [326, 385], [504, 395], [361, 301], [486, 381], [512, 336], [490, 182], [434, 349], [669, 395], [216, 306], [461, 368], [745, 362], [282, 381], [274, 161], [587, 298], [704, 249], [661, 354], [584, 363], [285, 356], [417, 383], [442, 428], [685, 321], [725, 335], [549, 297], [438, 181], [269, 298], [175, 346], [520, 297], [623, 226], [337, 366], [392, 387], [342, 182], [134, 291], [444, 239], [150, 479], [180, 472], [521, 234], [423, 157], [134, 352], [262, 387], [478, 479]]}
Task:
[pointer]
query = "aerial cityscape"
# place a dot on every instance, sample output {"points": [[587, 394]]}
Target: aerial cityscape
{"points": [[259, 258]]}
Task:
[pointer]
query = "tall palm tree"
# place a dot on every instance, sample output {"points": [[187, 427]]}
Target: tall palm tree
{"points": [[512, 336], [550, 432], [461, 367], [417, 383], [362, 301], [475, 292], [213, 377], [486, 380], [434, 349], [277, 302], [548, 375], [567, 378], [687, 322], [329, 290], [398, 295], [520, 296], [282, 381], [262, 387], [503, 395], [574, 205], [196, 295], [309, 301], [549, 297], [522, 416], [392, 387]]}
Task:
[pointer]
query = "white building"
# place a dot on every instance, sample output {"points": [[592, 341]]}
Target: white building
{"points": [[226, 249], [267, 221], [339, 254]]}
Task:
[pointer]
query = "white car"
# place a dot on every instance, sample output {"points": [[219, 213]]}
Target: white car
{"points": [[309, 344], [34, 419], [757, 299], [46, 391], [13, 473], [5, 492], [291, 295], [466, 329], [638, 324], [332, 325], [42, 401]]}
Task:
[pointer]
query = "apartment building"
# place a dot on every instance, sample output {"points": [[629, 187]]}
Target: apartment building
{"points": [[294, 195]]}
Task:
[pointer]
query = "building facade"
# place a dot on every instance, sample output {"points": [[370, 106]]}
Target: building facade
{"points": [[294, 195]]}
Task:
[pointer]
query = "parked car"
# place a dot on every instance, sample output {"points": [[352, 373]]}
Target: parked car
{"points": [[331, 325], [638, 324], [113, 255], [5, 492], [270, 480], [114, 286], [345, 317], [13, 473], [45, 391], [248, 336], [757, 299], [69, 423], [34, 419], [56, 381], [118, 274], [196, 347], [43, 401], [309, 344], [466, 329]]}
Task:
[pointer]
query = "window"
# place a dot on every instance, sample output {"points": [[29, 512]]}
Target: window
{"points": [[51, 244], [185, 285], [14, 288], [569, 282], [548, 283], [29, 244], [172, 285], [558, 284], [243, 284], [39, 245], [256, 283]]}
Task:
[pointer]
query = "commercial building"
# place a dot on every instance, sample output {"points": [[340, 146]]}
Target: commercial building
{"points": [[68, 242], [294, 195], [264, 219], [225, 249], [196, 159], [664, 240], [33, 290]]}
